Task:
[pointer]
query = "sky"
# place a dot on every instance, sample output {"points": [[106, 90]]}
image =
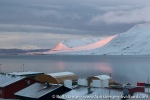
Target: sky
{"points": [[36, 24]]}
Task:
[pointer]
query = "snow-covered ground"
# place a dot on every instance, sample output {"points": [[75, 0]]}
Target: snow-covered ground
{"points": [[140, 96]]}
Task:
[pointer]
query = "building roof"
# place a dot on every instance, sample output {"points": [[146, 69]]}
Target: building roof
{"points": [[57, 78], [37, 90], [25, 73], [100, 77], [103, 77], [6, 80], [83, 91], [61, 74], [131, 87]]}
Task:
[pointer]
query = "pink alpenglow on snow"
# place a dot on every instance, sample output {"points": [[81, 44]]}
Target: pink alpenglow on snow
{"points": [[60, 48], [94, 45]]}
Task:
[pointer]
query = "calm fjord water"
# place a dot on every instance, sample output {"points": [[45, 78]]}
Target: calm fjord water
{"points": [[123, 68]]}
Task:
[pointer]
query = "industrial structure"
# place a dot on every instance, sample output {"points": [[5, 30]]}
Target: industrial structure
{"points": [[56, 78]]}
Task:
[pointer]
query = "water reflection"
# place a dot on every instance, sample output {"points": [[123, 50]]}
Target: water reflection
{"points": [[60, 65], [103, 67]]}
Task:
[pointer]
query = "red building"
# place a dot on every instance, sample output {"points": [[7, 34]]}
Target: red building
{"points": [[133, 90], [11, 84], [140, 84]]}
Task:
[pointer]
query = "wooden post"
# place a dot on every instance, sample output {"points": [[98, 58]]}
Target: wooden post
{"points": [[109, 87], [0, 68]]}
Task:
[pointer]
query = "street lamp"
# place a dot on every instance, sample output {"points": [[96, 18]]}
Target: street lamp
{"points": [[148, 84], [23, 67]]}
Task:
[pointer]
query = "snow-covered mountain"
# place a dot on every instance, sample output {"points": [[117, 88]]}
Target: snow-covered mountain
{"points": [[72, 43], [135, 41], [75, 46]]}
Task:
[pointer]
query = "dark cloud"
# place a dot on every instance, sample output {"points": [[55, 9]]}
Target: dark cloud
{"points": [[72, 17], [67, 15]]}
